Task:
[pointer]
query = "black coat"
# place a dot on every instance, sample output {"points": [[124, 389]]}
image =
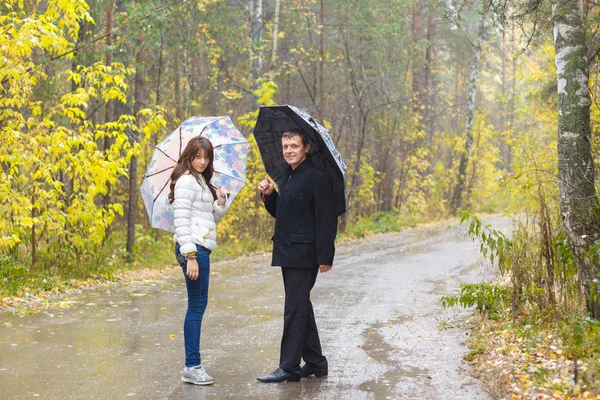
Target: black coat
{"points": [[305, 218]]}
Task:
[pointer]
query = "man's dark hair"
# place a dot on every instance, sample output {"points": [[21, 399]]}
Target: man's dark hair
{"points": [[293, 133]]}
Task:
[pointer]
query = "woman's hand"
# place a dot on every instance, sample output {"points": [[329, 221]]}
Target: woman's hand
{"points": [[192, 269], [266, 186], [222, 194]]}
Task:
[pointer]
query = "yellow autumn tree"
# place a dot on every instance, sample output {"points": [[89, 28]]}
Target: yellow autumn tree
{"points": [[55, 162]]}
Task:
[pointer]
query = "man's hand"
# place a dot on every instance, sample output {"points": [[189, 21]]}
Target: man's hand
{"points": [[266, 186], [325, 268], [191, 269]]}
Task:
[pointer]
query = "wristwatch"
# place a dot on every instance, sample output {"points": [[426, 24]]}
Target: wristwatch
{"points": [[191, 256]]}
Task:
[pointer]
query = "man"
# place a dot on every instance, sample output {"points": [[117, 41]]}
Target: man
{"points": [[303, 245]]}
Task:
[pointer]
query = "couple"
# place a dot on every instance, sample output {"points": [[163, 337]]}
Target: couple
{"points": [[303, 245]]}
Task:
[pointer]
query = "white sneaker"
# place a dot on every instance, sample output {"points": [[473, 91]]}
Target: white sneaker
{"points": [[197, 375]]}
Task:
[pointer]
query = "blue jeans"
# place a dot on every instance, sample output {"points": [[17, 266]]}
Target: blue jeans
{"points": [[197, 300]]}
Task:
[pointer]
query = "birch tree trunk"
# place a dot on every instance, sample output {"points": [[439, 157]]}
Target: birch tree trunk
{"points": [[275, 39], [187, 88], [458, 198], [256, 38], [418, 68], [504, 119], [578, 202], [513, 85], [321, 57], [457, 99]]}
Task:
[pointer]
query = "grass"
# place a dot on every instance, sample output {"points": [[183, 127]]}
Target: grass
{"points": [[474, 352]]}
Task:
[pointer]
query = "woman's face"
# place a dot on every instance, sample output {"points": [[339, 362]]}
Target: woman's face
{"points": [[200, 161]]}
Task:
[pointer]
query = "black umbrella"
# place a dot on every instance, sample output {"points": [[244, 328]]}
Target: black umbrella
{"points": [[273, 121]]}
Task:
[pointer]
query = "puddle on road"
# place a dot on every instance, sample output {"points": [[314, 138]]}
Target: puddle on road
{"points": [[379, 350], [439, 285]]}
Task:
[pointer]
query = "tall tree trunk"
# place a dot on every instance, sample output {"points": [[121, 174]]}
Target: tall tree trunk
{"points": [[363, 117], [133, 181], [33, 232], [504, 101], [177, 90], [578, 202], [187, 88], [457, 198], [456, 103], [391, 161], [256, 37], [108, 110], [513, 97], [109, 107], [418, 70], [321, 57], [275, 39], [78, 59], [507, 104], [160, 64], [504, 116], [430, 97]]}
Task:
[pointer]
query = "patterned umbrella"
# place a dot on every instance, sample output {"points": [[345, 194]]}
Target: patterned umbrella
{"points": [[231, 149], [273, 121]]}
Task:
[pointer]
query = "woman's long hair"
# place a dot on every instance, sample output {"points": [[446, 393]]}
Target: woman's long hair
{"points": [[185, 164]]}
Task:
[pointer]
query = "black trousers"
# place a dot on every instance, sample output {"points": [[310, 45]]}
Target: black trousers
{"points": [[300, 336]]}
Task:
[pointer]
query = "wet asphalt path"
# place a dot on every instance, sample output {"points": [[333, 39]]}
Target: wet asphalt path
{"points": [[381, 324]]}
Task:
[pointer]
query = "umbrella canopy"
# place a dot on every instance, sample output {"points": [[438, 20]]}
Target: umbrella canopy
{"points": [[230, 151], [273, 121]]}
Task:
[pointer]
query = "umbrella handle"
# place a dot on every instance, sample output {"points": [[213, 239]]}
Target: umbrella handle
{"points": [[227, 198]]}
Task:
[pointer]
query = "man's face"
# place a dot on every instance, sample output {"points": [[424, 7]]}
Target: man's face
{"points": [[294, 151]]}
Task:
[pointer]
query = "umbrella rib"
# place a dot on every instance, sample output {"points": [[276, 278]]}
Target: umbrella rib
{"points": [[156, 173], [166, 154], [160, 191], [207, 125], [180, 140]]}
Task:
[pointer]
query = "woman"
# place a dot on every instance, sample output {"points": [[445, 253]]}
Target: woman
{"points": [[198, 206]]}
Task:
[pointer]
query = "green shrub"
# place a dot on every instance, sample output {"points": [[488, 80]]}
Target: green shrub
{"points": [[488, 299], [14, 276]]}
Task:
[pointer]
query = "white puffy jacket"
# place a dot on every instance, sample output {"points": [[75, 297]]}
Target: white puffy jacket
{"points": [[196, 214]]}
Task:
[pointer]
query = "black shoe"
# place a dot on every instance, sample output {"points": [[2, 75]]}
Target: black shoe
{"points": [[311, 369], [279, 375]]}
